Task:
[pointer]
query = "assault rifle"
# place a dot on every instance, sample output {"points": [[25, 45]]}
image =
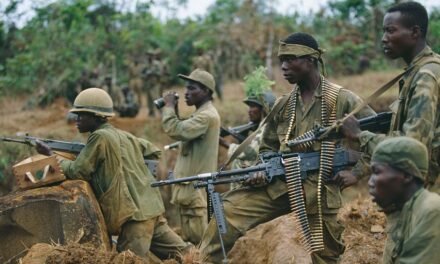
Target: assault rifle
{"points": [[272, 163], [67, 146], [378, 123], [237, 132]]}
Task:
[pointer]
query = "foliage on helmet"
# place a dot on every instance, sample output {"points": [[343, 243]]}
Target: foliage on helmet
{"points": [[257, 83]]}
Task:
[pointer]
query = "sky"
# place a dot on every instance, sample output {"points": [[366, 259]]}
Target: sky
{"points": [[199, 7]]}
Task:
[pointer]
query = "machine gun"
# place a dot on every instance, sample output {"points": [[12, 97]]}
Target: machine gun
{"points": [[274, 165], [67, 147], [237, 132], [378, 123]]}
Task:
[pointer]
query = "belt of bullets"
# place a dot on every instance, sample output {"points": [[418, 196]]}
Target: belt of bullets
{"points": [[311, 234]]}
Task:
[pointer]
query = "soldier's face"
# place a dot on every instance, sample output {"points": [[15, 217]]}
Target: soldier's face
{"points": [[85, 122], [195, 93], [386, 185], [398, 39], [255, 113], [294, 68]]}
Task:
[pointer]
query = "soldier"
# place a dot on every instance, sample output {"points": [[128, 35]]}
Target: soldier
{"points": [[108, 86], [298, 112], [127, 103], [415, 112], [113, 162], [399, 168], [136, 83], [260, 100], [198, 149], [153, 75]]}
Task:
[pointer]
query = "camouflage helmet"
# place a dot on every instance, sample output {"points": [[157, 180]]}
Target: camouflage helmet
{"points": [[265, 100], [93, 100]]}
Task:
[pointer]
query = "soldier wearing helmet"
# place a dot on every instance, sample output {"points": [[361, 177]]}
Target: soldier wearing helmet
{"points": [[260, 100], [112, 161]]}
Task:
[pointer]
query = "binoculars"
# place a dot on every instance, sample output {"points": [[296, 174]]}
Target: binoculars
{"points": [[160, 102]]}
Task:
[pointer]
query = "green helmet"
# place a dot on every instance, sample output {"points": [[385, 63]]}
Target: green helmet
{"points": [[265, 100], [93, 100]]}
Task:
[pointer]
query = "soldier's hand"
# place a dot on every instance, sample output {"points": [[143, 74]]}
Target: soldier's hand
{"points": [[345, 179], [170, 99], [42, 148], [258, 179], [350, 128]]}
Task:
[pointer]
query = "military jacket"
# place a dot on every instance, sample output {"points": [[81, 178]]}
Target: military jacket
{"points": [[308, 116], [198, 150], [199, 134], [413, 233], [112, 161], [415, 112]]}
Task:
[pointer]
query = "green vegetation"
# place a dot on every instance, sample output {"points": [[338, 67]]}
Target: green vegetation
{"points": [[66, 37]]}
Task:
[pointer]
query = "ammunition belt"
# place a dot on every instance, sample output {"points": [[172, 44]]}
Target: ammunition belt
{"points": [[311, 235]]}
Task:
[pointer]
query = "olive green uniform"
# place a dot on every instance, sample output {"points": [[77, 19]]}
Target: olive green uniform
{"points": [[112, 161], [198, 153], [136, 83], [416, 112], [413, 229], [153, 88], [413, 233], [247, 207]]}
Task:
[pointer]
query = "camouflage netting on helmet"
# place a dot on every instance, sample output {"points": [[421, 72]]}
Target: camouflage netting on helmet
{"points": [[258, 89]]}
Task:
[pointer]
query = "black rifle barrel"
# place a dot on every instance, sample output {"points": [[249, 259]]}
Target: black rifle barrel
{"points": [[378, 123]]}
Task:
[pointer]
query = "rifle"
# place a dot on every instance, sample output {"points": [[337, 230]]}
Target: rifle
{"points": [[67, 146], [273, 166], [237, 132], [378, 123]]}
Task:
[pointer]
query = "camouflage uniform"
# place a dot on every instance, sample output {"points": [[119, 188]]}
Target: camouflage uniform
{"points": [[247, 207], [415, 112], [198, 153], [413, 232], [249, 156], [136, 83], [112, 161]]}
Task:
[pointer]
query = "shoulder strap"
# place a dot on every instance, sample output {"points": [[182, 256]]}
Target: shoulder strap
{"points": [[375, 95], [249, 139]]}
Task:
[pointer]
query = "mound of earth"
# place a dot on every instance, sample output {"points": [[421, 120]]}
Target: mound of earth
{"points": [[277, 242], [364, 234], [80, 253], [272, 242]]}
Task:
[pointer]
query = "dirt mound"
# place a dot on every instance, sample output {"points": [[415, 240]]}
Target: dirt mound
{"points": [[364, 235], [79, 253], [272, 242], [277, 242]]}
